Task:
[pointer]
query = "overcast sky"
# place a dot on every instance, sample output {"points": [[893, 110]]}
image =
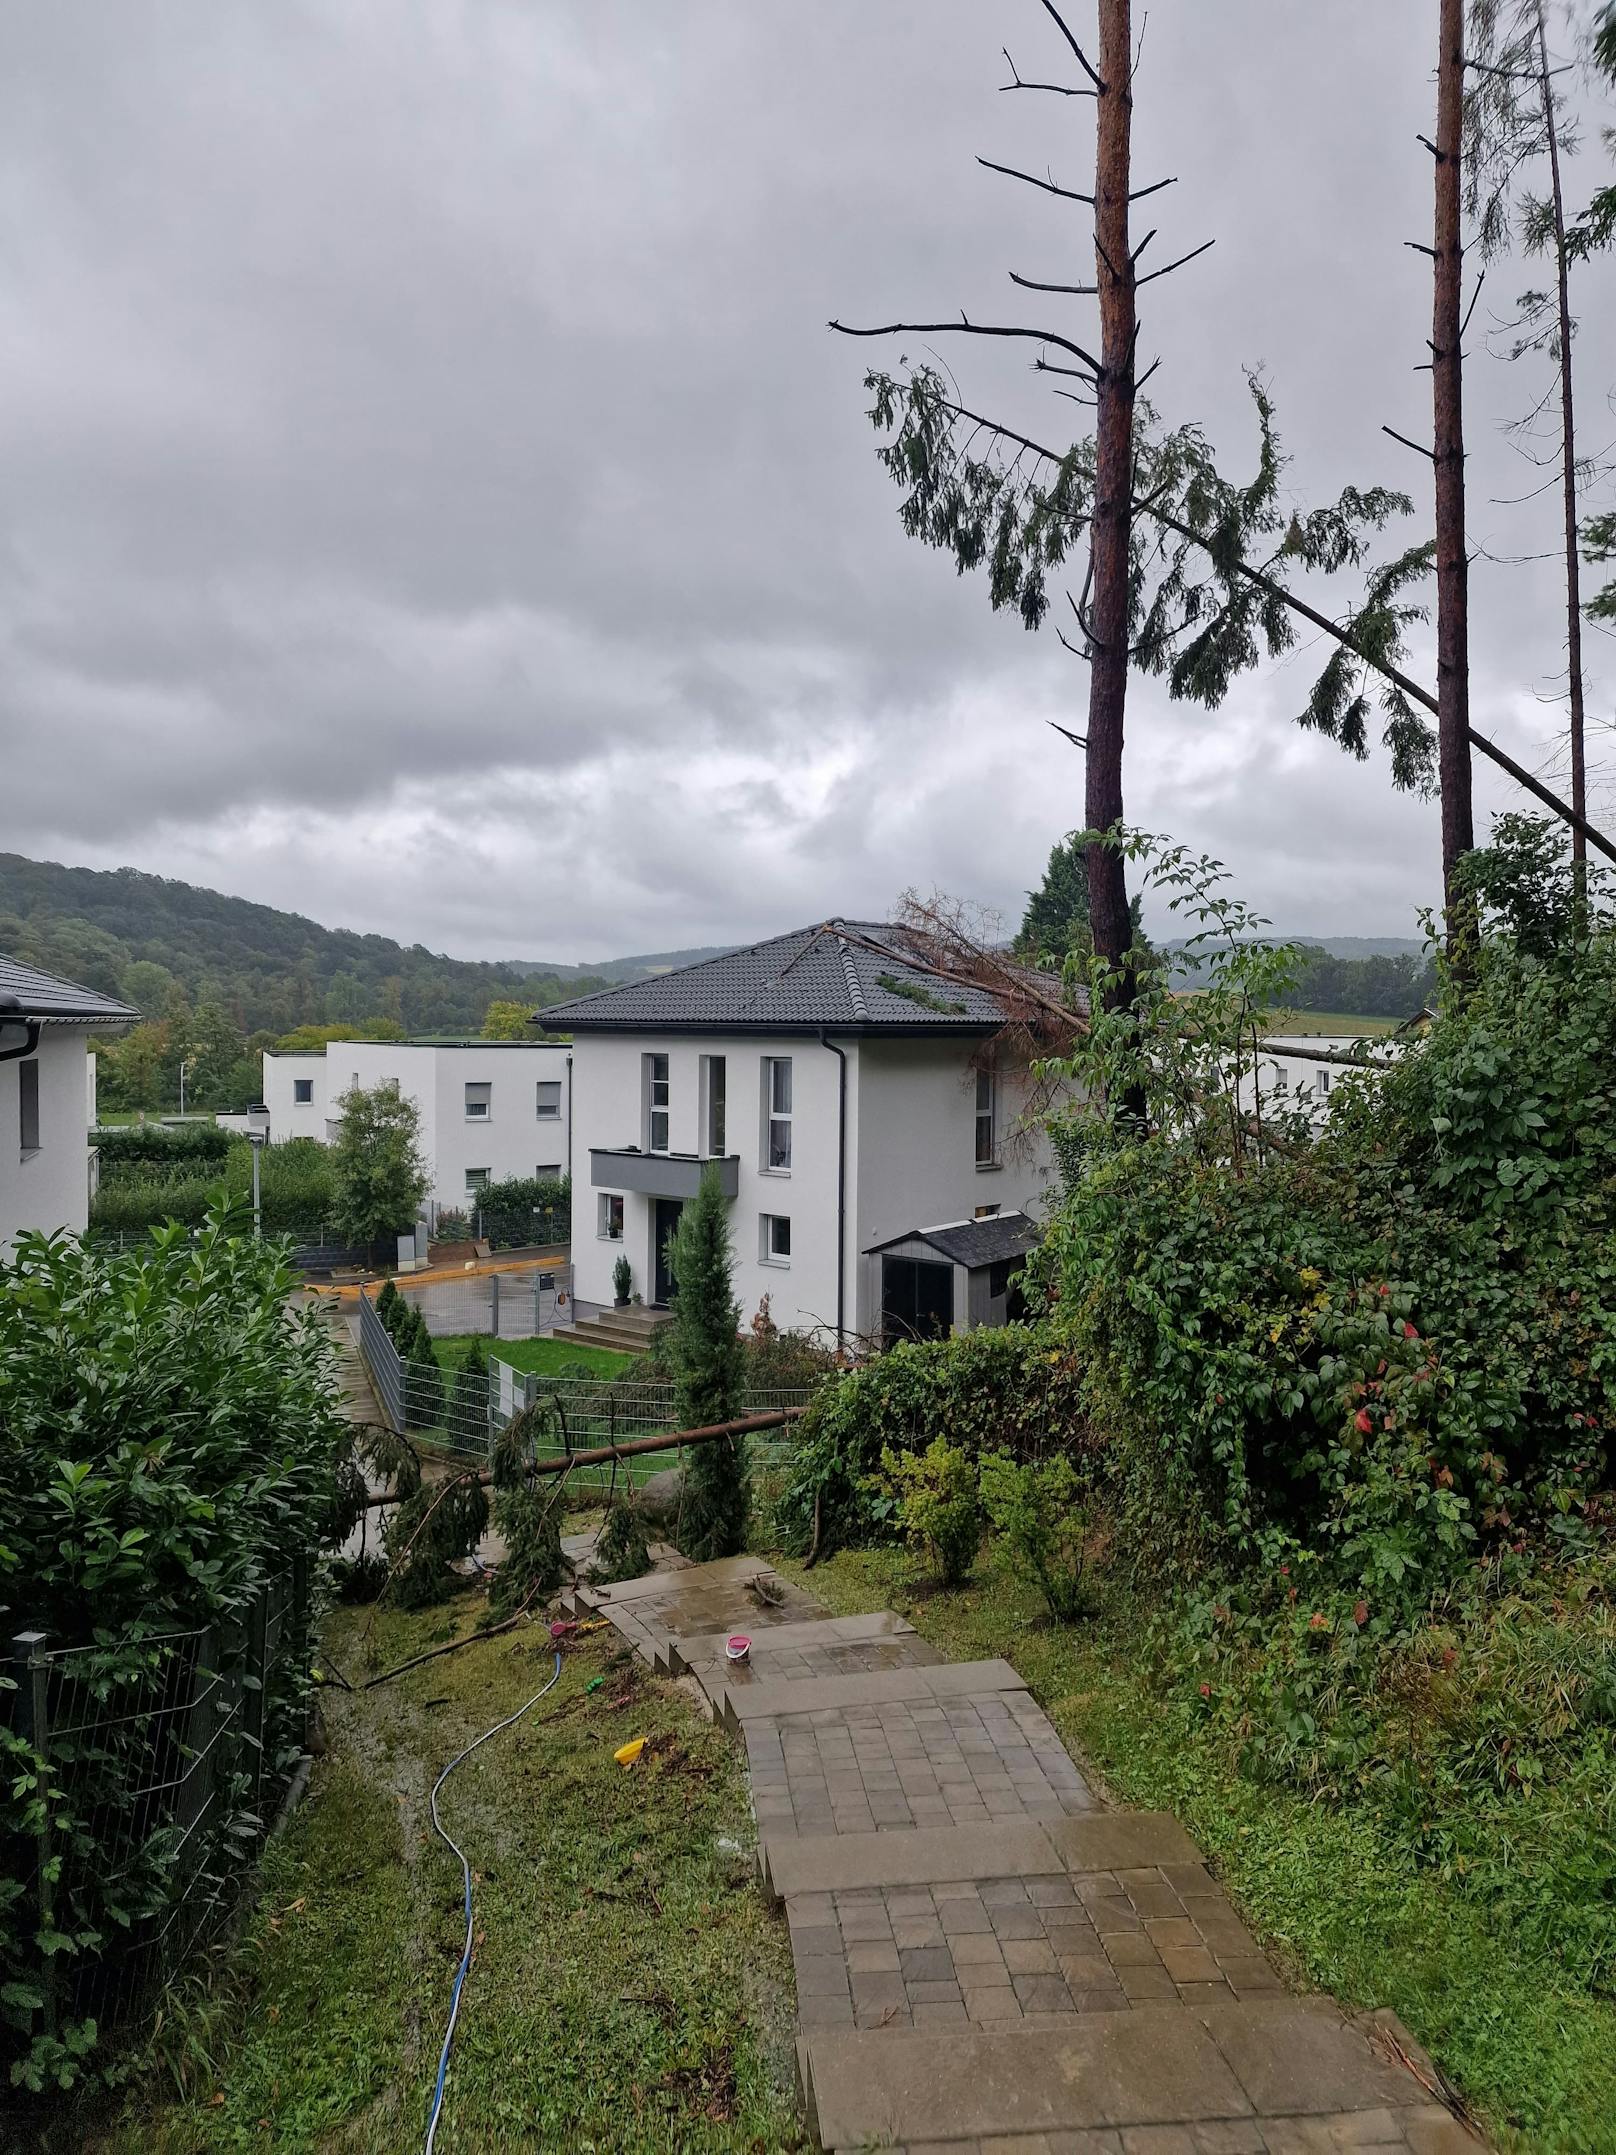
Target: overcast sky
{"points": [[432, 500]]}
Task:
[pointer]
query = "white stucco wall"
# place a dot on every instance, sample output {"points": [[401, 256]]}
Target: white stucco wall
{"points": [[911, 1139], [916, 1158], [49, 1188], [606, 1091], [287, 1118], [1297, 1080], [511, 1140]]}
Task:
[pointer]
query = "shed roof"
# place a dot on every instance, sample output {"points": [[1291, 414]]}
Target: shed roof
{"points": [[845, 976], [59, 1002], [972, 1242]]}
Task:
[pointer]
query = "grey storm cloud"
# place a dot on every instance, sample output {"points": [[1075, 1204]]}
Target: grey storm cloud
{"points": [[423, 444]]}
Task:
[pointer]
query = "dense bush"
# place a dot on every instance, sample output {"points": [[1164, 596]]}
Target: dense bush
{"points": [[1035, 1509], [1396, 1348], [1016, 1388], [525, 1209], [295, 1184], [158, 1144], [168, 1443], [933, 1498]]}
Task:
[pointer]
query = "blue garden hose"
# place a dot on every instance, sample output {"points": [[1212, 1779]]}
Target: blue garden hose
{"points": [[465, 1871]]}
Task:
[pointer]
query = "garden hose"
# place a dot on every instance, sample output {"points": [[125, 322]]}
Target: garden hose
{"points": [[465, 1872]]}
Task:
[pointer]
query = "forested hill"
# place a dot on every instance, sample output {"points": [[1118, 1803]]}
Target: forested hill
{"points": [[134, 934]]}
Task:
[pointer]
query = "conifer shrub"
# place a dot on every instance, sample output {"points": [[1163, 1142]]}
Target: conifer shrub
{"points": [[622, 1548], [709, 1375]]}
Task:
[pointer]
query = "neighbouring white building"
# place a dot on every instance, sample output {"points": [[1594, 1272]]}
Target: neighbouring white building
{"points": [[46, 1160], [1294, 1070], [490, 1109], [850, 1099]]}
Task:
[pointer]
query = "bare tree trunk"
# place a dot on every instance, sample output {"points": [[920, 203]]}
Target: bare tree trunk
{"points": [[1111, 530], [1452, 555], [1568, 422]]}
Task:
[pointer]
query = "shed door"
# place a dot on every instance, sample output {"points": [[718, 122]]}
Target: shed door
{"points": [[917, 1299]]}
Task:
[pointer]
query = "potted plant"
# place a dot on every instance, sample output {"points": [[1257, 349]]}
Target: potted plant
{"points": [[622, 1282]]}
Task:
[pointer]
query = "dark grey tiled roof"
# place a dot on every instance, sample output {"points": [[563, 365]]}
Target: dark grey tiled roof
{"points": [[850, 976], [41, 995], [974, 1242]]}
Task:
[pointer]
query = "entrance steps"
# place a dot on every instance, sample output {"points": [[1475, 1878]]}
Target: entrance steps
{"points": [[626, 1331], [987, 1961]]}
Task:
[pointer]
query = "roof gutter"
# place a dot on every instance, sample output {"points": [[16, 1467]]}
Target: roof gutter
{"points": [[840, 1054], [11, 1017]]}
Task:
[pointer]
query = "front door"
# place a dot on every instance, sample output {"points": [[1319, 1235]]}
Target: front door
{"points": [[666, 1220]]}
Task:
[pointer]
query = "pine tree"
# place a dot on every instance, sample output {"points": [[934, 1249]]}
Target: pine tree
{"points": [[423, 1382], [709, 1365]]}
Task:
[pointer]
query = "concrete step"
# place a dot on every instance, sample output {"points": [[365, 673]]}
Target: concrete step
{"points": [[742, 1703], [1271, 2068], [793, 1864], [626, 1331]]}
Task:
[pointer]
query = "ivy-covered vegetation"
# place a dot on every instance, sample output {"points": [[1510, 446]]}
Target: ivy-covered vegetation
{"points": [[168, 1451]]}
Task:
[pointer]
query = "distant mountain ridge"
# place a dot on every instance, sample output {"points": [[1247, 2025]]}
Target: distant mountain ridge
{"points": [[141, 936]]}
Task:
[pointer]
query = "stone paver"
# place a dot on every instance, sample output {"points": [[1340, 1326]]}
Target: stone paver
{"points": [[987, 1962], [908, 1763], [1020, 1951]]}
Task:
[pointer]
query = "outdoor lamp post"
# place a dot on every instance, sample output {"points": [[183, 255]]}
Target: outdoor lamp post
{"points": [[258, 1138]]}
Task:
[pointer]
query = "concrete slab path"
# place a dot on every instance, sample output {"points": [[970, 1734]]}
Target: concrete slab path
{"points": [[988, 1961]]}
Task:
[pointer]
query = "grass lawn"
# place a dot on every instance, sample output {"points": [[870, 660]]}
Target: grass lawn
{"points": [[544, 1355], [628, 1989], [1329, 1025], [1350, 1906]]}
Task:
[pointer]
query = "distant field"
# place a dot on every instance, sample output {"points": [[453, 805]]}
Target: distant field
{"points": [[1304, 1024], [543, 1355]]}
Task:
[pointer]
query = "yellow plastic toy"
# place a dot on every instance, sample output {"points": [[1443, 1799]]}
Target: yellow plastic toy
{"points": [[630, 1752]]}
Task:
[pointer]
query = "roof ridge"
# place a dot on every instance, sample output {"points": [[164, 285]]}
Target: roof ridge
{"points": [[855, 987]]}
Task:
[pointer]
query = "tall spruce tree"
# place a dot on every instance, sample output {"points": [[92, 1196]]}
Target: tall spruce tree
{"points": [[709, 1369]]}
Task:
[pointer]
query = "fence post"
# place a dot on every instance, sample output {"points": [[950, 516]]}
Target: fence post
{"points": [[493, 1303], [31, 1667], [538, 1303], [255, 1687]]}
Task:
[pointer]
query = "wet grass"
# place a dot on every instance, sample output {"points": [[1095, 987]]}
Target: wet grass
{"points": [[628, 1989], [547, 1356], [1338, 1894]]}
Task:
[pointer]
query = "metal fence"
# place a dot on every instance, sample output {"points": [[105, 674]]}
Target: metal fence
{"points": [[504, 1305], [577, 1409], [164, 1761]]}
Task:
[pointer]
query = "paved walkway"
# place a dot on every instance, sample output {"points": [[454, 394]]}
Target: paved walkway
{"points": [[989, 1962]]}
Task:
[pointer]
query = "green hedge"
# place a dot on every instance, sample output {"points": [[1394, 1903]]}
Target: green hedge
{"points": [[296, 1181], [1014, 1388], [525, 1209], [155, 1144]]}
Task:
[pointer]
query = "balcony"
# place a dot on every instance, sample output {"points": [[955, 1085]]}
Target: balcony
{"points": [[659, 1174]]}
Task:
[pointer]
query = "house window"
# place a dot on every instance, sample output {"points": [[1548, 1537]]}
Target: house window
{"points": [[479, 1099], [654, 1079], [303, 1091], [987, 1119], [777, 1114], [476, 1181], [28, 1105], [775, 1239], [712, 1108], [549, 1099], [610, 1226], [548, 1171], [1321, 1081]]}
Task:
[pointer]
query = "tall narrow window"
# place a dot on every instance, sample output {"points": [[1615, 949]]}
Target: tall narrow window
{"points": [[28, 1105], [987, 1117], [774, 1239], [609, 1224], [549, 1099], [655, 1079], [777, 1113], [479, 1102], [712, 1083]]}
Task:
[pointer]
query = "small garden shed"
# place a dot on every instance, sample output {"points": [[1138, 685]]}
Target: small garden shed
{"points": [[937, 1280]]}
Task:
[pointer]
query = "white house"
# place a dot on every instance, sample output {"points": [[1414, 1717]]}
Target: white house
{"points": [[1294, 1072], [490, 1109], [850, 1100], [45, 1088]]}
